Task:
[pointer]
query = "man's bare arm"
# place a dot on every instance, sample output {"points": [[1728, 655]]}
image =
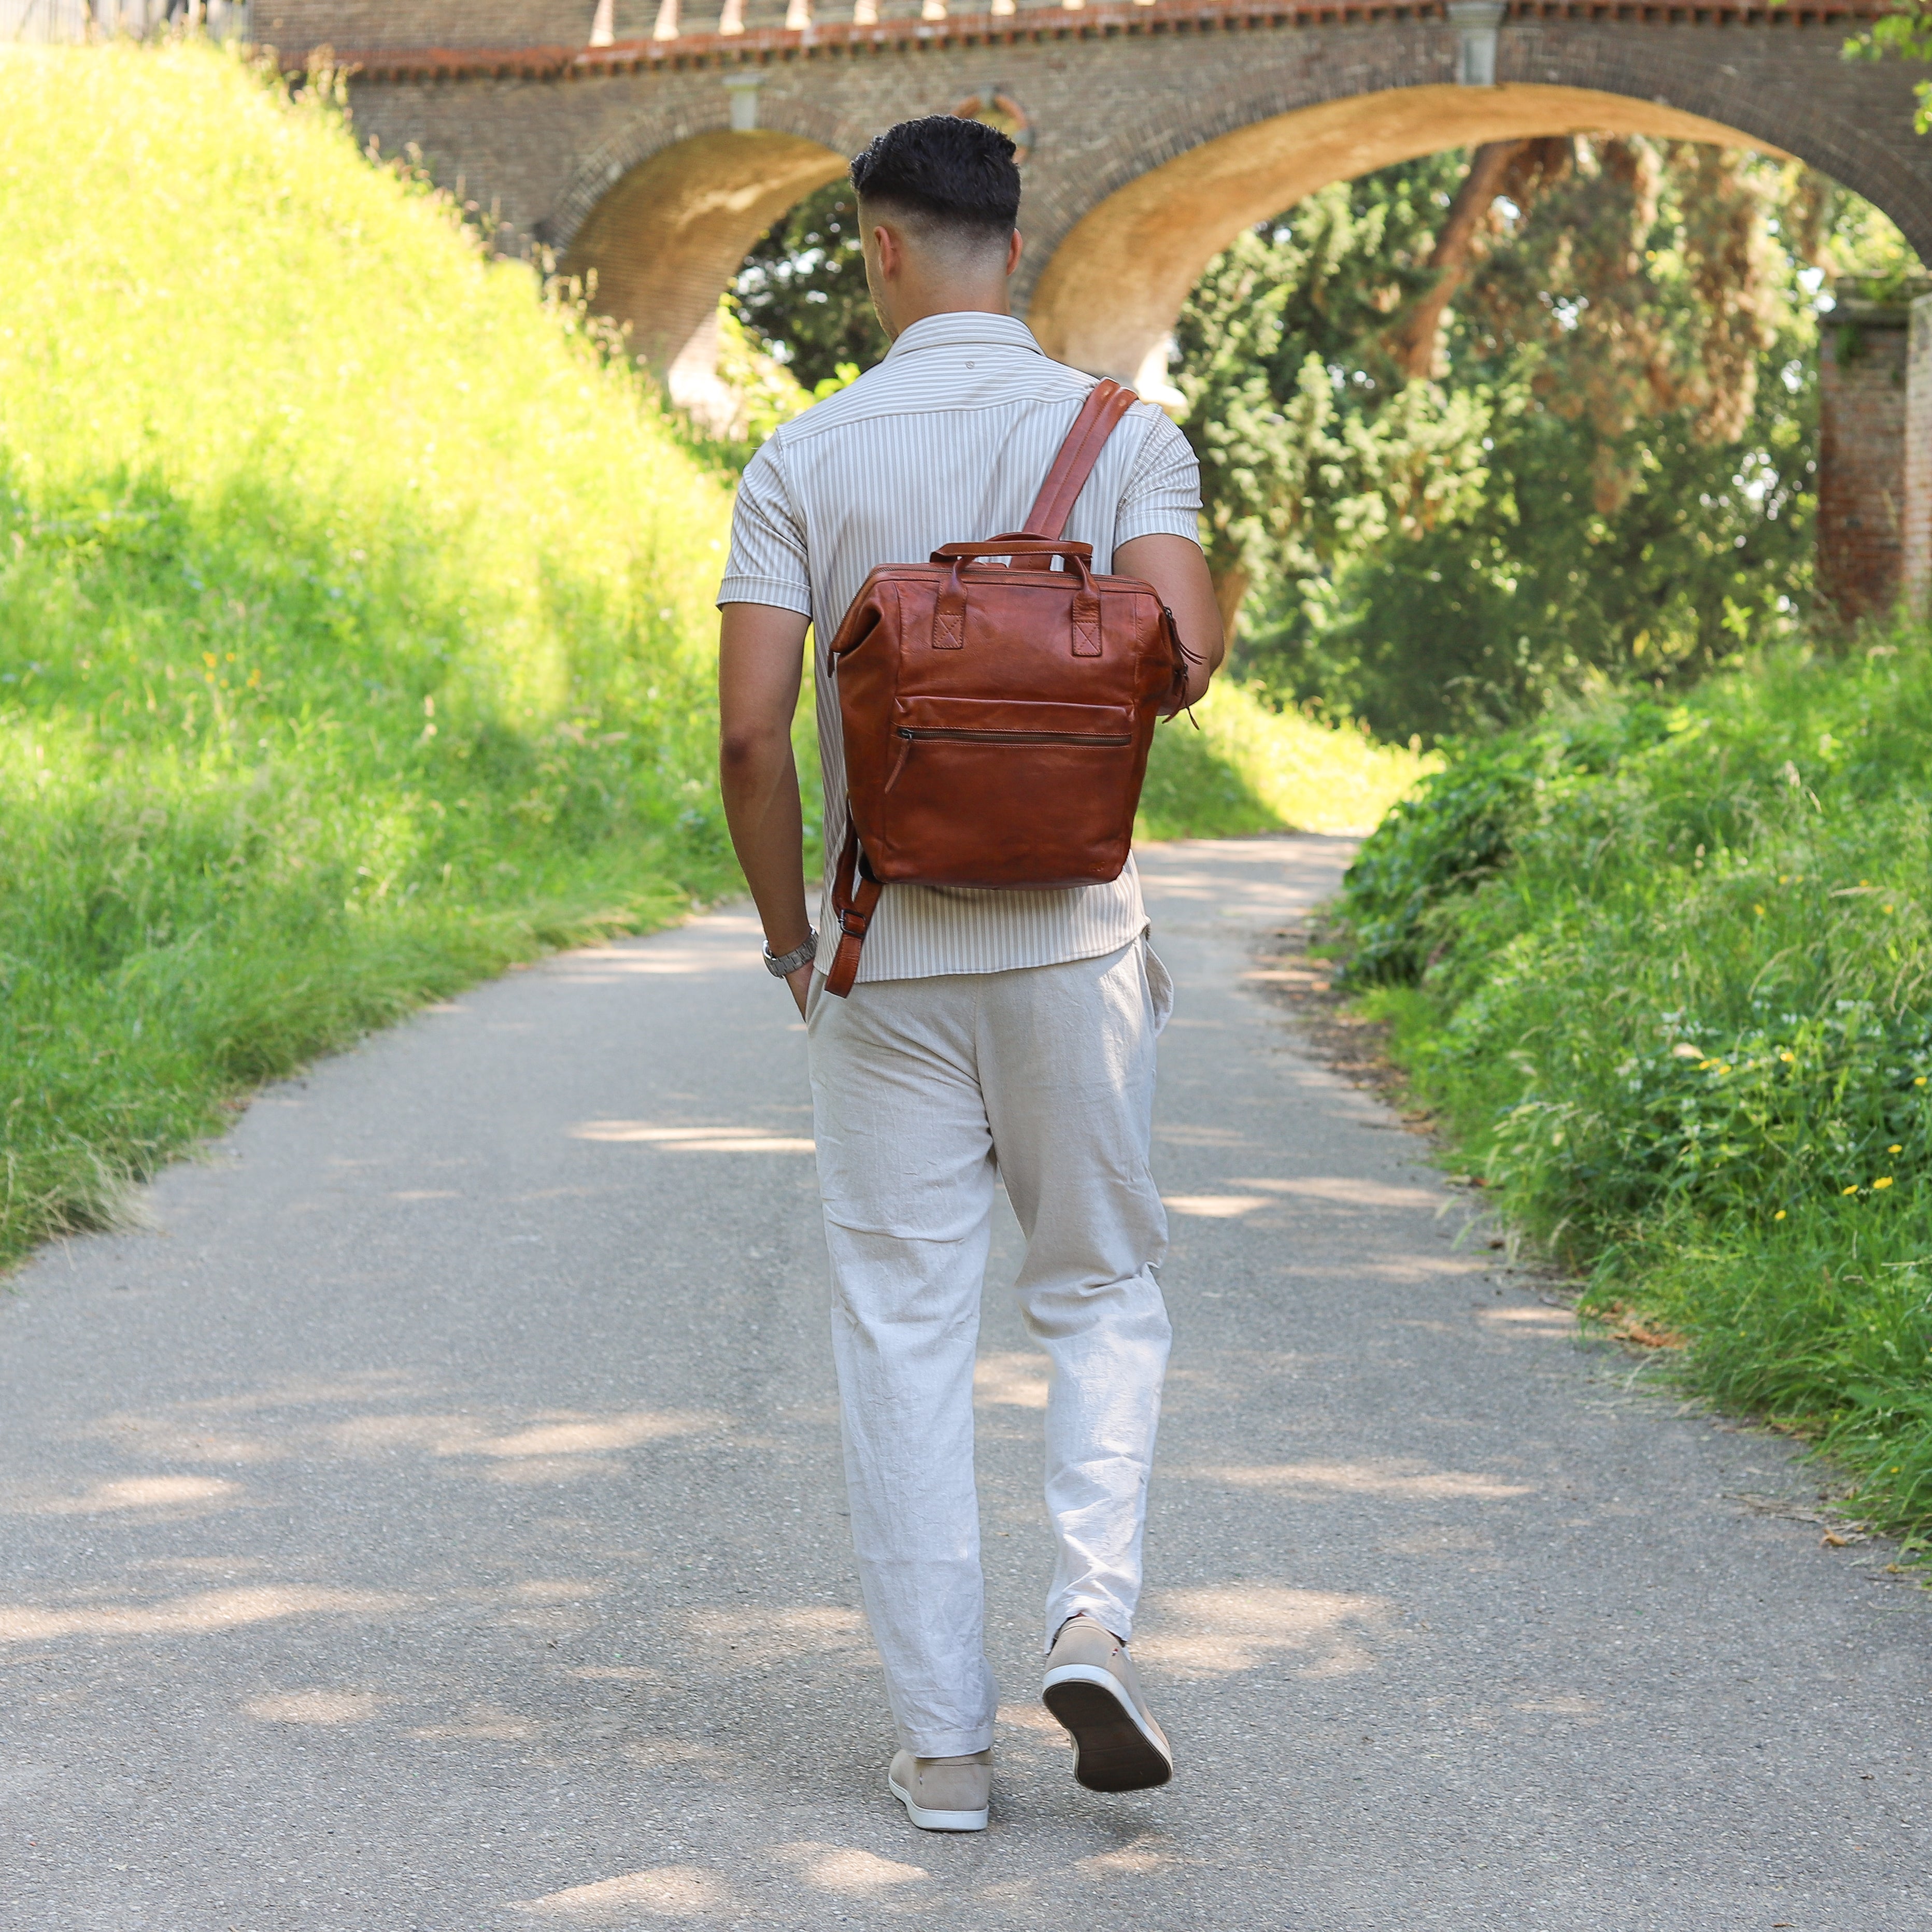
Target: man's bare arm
{"points": [[1176, 568], [760, 652]]}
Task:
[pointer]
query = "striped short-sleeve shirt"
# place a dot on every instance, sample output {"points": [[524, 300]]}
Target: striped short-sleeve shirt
{"points": [[950, 438]]}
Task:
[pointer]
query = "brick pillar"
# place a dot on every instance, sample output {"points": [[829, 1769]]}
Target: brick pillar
{"points": [[1916, 537], [1861, 445]]}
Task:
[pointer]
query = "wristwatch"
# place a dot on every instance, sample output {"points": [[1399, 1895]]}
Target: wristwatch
{"points": [[783, 965]]}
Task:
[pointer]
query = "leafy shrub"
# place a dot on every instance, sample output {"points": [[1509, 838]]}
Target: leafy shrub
{"points": [[1675, 972], [1457, 829]]}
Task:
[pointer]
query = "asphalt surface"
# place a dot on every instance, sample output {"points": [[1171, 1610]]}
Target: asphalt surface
{"points": [[431, 1518]]}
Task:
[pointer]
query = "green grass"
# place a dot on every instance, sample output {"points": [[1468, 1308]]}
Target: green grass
{"points": [[1667, 974], [355, 616], [1252, 768], [355, 627]]}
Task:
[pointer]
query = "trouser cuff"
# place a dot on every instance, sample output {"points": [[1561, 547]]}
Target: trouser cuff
{"points": [[947, 1744], [1107, 1612]]}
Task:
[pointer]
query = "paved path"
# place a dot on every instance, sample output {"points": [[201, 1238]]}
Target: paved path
{"points": [[432, 1521]]}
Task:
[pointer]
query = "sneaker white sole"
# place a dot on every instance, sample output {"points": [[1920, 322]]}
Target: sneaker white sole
{"points": [[935, 1821], [1115, 1749]]}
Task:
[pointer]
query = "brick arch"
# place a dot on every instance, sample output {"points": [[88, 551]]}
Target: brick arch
{"points": [[1106, 296], [1161, 128], [664, 215]]}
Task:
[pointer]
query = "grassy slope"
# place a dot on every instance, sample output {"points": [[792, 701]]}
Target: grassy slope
{"points": [[1684, 1022], [1250, 768], [355, 630], [353, 619]]}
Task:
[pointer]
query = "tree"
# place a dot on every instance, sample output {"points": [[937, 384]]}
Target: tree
{"points": [[802, 290], [1312, 436], [1627, 488], [1415, 339]]}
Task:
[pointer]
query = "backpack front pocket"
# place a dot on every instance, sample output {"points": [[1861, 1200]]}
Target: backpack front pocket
{"points": [[1000, 792]]}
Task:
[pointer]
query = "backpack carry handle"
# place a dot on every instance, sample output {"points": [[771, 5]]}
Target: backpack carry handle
{"points": [[949, 609], [1015, 543]]}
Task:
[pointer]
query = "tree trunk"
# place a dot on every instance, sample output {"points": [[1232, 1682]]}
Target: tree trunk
{"points": [[1413, 340], [1230, 587]]}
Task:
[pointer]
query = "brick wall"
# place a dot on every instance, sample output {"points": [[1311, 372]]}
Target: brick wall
{"points": [[295, 25], [1861, 407]]}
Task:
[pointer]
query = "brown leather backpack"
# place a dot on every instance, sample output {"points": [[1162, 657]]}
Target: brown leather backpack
{"points": [[997, 712]]}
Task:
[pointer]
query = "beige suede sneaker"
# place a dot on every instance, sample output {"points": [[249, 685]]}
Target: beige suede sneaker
{"points": [[942, 1794], [1091, 1688]]}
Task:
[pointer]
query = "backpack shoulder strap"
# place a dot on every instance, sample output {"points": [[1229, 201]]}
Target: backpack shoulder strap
{"points": [[1106, 402]]}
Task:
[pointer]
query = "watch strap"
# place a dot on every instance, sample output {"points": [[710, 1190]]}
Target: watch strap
{"points": [[782, 965]]}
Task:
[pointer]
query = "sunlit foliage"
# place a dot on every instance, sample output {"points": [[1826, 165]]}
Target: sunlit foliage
{"points": [[354, 613], [1608, 473]]}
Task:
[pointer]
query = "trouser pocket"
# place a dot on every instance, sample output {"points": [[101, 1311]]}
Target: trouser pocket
{"points": [[1160, 984]]}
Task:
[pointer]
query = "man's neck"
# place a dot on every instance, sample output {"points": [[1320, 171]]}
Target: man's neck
{"points": [[924, 308]]}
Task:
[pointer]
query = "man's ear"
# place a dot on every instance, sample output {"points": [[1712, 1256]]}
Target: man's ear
{"points": [[890, 249], [1013, 252]]}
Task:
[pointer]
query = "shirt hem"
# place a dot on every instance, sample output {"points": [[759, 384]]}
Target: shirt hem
{"points": [[755, 590], [828, 950], [1156, 523]]}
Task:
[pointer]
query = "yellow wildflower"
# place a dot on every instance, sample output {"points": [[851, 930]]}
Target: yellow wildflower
{"points": [[1850, 1190], [1886, 1182], [1779, 1215], [1760, 911], [1895, 1148], [1789, 1059]]}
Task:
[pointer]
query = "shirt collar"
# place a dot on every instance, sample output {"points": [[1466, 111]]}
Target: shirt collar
{"points": [[964, 329]]}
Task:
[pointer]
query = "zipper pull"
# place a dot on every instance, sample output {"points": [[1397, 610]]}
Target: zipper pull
{"points": [[906, 742]]}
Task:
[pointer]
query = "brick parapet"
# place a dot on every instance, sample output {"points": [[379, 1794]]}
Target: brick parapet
{"points": [[449, 38]]}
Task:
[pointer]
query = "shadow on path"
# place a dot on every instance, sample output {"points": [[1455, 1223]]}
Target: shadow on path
{"points": [[432, 1520]]}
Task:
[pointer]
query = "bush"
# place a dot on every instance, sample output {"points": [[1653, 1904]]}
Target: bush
{"points": [[1457, 830], [1674, 984]]}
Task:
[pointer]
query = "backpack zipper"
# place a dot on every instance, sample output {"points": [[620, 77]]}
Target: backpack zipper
{"points": [[1019, 737], [911, 734]]}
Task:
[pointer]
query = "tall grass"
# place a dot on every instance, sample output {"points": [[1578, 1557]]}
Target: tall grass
{"points": [[1251, 767], [354, 618], [356, 625], [1668, 972]]}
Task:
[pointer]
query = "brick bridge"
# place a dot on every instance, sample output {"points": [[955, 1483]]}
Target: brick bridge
{"points": [[654, 140]]}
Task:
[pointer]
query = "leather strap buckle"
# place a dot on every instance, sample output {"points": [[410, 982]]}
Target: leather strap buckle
{"points": [[855, 896]]}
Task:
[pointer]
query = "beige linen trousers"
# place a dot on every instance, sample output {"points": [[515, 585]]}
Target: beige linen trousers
{"points": [[926, 1093]]}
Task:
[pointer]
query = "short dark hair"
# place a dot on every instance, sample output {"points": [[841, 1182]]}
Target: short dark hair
{"points": [[958, 174]]}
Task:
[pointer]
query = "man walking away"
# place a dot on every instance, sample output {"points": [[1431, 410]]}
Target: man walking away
{"points": [[990, 1033]]}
